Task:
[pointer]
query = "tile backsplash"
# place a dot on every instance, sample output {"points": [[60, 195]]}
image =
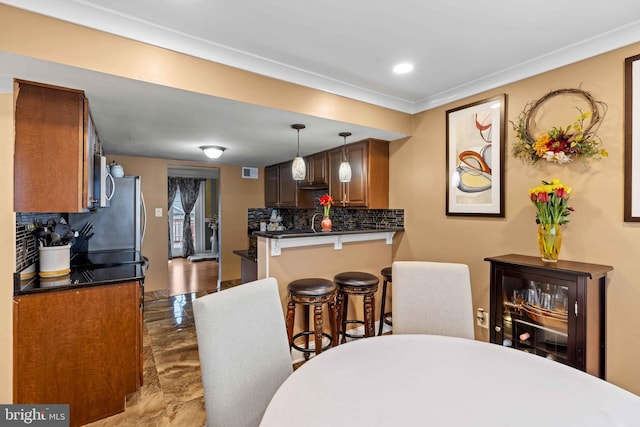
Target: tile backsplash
{"points": [[342, 218], [26, 250]]}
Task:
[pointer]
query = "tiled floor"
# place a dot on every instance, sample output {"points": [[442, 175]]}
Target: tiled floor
{"points": [[172, 391]]}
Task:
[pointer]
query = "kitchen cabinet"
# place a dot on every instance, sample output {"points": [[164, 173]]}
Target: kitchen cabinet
{"points": [[555, 310], [369, 185], [317, 171], [55, 140], [280, 191], [80, 347]]}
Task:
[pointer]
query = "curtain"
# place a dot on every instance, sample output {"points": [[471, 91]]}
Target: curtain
{"points": [[172, 187], [189, 190]]}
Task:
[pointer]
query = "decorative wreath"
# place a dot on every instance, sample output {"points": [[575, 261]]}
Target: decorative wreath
{"points": [[560, 145]]}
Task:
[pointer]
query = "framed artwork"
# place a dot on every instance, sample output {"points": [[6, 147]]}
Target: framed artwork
{"points": [[632, 139], [475, 158]]}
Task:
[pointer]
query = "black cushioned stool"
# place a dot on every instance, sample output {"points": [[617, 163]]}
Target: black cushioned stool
{"points": [[356, 283], [385, 317], [312, 292]]}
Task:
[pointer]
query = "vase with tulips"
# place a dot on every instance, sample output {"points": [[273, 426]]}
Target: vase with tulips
{"points": [[551, 200], [326, 201]]}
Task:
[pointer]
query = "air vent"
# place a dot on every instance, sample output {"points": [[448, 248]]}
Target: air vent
{"points": [[249, 173]]}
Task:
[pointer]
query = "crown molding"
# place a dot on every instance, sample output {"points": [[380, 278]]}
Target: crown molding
{"points": [[81, 13]]}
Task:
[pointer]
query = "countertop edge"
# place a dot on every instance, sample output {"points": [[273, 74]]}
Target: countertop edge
{"points": [[289, 235], [244, 253], [75, 286]]}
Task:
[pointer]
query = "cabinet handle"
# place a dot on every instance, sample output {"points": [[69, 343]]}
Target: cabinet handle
{"points": [[498, 329]]}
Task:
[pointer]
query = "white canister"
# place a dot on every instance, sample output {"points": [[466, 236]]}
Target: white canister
{"points": [[55, 260]]}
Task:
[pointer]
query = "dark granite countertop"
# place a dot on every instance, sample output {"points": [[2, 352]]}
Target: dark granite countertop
{"points": [[90, 269], [247, 254], [310, 233]]}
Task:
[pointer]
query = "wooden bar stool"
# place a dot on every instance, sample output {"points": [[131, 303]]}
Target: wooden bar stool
{"points": [[356, 283], [312, 292], [384, 317]]}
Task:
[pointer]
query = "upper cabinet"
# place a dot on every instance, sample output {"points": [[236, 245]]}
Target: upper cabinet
{"points": [[369, 185], [280, 189], [368, 188], [54, 147], [317, 171]]}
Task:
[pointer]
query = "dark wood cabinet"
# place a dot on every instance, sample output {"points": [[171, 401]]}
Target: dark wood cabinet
{"points": [[369, 185], [555, 310], [54, 145], [368, 188], [280, 191], [318, 170], [79, 347], [271, 186]]}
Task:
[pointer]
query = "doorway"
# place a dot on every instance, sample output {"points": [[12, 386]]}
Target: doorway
{"points": [[199, 222], [200, 269]]}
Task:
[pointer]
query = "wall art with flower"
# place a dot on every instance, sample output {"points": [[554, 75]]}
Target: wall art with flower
{"points": [[559, 128]]}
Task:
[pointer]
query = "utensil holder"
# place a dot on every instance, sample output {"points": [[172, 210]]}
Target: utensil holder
{"points": [[55, 260]]}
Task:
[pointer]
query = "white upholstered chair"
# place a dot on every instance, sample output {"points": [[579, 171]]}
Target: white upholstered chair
{"points": [[432, 298], [244, 352]]}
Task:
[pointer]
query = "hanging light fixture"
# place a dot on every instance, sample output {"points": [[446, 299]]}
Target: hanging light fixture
{"points": [[344, 172], [212, 151], [298, 168]]}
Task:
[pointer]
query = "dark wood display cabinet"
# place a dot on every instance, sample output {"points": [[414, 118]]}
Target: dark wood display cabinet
{"points": [[555, 310]]}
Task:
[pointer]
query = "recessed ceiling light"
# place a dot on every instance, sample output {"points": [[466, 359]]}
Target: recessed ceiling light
{"points": [[403, 68]]}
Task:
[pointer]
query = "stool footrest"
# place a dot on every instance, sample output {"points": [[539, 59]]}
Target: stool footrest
{"points": [[309, 349], [347, 334]]}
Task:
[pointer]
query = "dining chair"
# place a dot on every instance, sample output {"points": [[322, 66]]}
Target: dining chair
{"points": [[243, 350], [432, 298]]}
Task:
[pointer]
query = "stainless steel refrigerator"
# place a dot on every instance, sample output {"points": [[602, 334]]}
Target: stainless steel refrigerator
{"points": [[120, 226]]}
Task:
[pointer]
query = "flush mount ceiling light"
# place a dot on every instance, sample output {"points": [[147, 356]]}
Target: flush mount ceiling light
{"points": [[344, 172], [298, 168], [403, 68], [212, 151]]}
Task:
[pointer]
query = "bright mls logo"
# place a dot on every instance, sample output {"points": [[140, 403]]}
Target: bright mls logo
{"points": [[34, 415]]}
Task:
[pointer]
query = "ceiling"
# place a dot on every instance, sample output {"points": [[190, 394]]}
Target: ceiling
{"points": [[458, 48]]}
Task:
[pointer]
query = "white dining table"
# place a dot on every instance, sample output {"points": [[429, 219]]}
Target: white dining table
{"points": [[429, 380]]}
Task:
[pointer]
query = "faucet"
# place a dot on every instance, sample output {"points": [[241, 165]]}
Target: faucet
{"points": [[312, 221]]}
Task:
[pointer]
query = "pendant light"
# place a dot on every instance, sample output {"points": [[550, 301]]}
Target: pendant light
{"points": [[344, 173], [298, 168]]}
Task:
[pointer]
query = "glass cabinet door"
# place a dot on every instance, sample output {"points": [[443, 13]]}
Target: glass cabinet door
{"points": [[534, 313]]}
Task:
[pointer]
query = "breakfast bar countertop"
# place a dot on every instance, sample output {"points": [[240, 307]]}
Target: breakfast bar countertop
{"points": [[307, 232]]}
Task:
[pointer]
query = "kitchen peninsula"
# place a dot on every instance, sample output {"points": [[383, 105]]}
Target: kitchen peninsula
{"points": [[291, 255]]}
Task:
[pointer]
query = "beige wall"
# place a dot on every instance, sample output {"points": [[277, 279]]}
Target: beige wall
{"points": [[7, 251], [596, 233], [236, 196]]}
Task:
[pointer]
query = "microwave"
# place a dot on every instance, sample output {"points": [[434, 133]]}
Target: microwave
{"points": [[103, 184]]}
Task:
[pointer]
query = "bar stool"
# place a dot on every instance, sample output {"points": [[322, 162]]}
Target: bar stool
{"points": [[312, 292], [356, 283], [384, 317]]}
